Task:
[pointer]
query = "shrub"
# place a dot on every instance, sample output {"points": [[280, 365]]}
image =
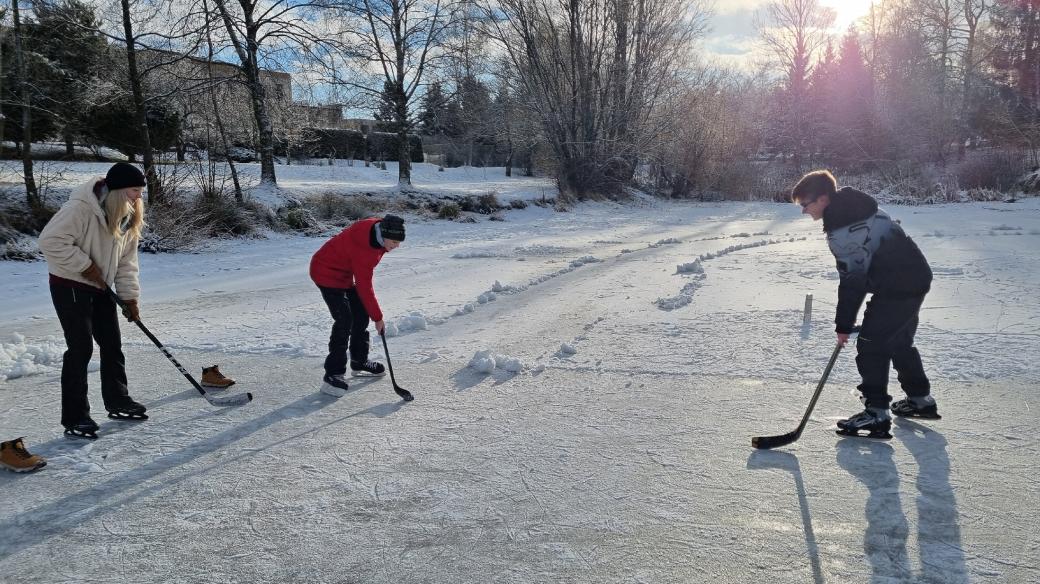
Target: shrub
{"points": [[223, 216], [330, 206], [997, 170], [449, 211], [518, 204]]}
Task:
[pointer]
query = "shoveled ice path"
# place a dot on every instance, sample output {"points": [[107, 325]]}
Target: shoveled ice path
{"points": [[627, 461]]}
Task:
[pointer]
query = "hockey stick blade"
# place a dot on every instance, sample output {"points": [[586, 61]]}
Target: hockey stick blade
{"points": [[237, 399], [767, 442]]}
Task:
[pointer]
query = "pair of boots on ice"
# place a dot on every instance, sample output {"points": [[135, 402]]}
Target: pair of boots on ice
{"points": [[877, 421], [336, 383]]}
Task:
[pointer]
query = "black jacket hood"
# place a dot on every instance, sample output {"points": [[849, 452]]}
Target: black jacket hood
{"points": [[848, 206]]}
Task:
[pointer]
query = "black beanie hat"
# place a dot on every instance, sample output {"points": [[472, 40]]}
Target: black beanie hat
{"points": [[392, 227], [123, 175]]}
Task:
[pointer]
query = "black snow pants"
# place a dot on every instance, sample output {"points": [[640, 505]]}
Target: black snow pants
{"points": [[85, 317], [887, 336], [349, 328]]}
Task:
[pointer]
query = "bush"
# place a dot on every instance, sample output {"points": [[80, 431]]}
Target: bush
{"points": [[330, 206], [223, 216], [172, 226], [383, 146], [485, 204], [518, 204], [997, 170], [449, 211]]}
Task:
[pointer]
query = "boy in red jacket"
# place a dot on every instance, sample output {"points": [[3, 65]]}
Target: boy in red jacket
{"points": [[343, 270]]}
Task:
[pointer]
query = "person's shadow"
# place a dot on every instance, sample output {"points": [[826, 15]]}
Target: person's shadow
{"points": [[885, 540], [938, 532], [772, 459], [41, 523]]}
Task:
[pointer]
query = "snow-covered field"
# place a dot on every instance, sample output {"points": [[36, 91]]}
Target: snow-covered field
{"points": [[587, 384]]}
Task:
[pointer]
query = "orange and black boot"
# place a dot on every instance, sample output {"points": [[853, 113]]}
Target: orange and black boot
{"points": [[213, 378], [14, 456]]}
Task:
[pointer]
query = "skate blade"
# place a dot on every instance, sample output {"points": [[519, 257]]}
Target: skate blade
{"points": [[81, 435], [128, 417], [917, 416], [366, 374], [333, 391], [878, 435]]}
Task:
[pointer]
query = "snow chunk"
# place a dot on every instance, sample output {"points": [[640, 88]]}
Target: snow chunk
{"points": [[567, 349], [19, 359], [486, 362], [413, 321]]}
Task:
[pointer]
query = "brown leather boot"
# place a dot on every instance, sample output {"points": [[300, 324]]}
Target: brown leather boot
{"points": [[212, 377], [14, 456]]}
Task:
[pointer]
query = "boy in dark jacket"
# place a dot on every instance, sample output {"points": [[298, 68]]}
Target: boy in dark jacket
{"points": [[874, 255], [343, 269]]}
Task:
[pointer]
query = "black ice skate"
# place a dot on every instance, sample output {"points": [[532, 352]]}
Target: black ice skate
{"points": [[127, 409], [911, 408], [85, 428], [335, 385], [869, 420], [367, 369]]}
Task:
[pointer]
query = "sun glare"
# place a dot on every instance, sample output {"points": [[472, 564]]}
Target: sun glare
{"points": [[847, 11]]}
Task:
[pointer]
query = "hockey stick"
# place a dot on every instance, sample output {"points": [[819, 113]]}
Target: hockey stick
{"points": [[404, 393], [785, 439], [221, 400]]}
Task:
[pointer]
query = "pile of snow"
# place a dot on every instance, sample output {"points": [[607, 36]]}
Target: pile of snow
{"points": [[684, 297], [465, 255], [486, 362], [693, 267], [567, 349], [413, 321], [19, 359], [669, 241]]}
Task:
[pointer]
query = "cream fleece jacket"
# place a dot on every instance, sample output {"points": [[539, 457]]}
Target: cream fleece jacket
{"points": [[77, 235]]}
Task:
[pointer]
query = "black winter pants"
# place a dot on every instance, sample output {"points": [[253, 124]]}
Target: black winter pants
{"points": [[86, 317], [349, 327], [887, 336]]}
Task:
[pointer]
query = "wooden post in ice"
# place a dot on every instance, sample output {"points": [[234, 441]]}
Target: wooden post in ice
{"points": [[807, 315]]}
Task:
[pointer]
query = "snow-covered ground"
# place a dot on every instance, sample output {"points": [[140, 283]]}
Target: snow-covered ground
{"points": [[587, 384]]}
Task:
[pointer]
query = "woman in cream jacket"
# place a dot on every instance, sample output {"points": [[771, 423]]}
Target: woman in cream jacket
{"points": [[91, 244]]}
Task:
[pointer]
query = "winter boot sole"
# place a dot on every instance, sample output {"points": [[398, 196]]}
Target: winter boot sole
{"points": [[38, 466], [215, 387]]}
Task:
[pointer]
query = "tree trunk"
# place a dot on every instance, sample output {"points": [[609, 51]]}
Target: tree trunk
{"points": [[404, 155], [155, 194], [70, 146], [32, 193]]}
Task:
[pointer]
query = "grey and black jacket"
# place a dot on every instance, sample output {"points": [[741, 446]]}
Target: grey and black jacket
{"points": [[873, 254]]}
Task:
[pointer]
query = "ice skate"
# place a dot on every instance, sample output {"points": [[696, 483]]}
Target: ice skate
{"points": [[876, 423], [85, 429], [367, 369], [335, 385], [917, 407], [127, 409]]}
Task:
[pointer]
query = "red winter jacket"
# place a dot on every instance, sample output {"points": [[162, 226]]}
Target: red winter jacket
{"points": [[348, 261]]}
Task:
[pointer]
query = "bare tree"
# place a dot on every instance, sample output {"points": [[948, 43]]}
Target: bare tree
{"points": [[287, 26], [400, 40], [596, 70], [32, 193], [794, 32]]}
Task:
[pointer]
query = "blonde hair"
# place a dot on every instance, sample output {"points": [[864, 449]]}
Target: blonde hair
{"points": [[119, 210]]}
